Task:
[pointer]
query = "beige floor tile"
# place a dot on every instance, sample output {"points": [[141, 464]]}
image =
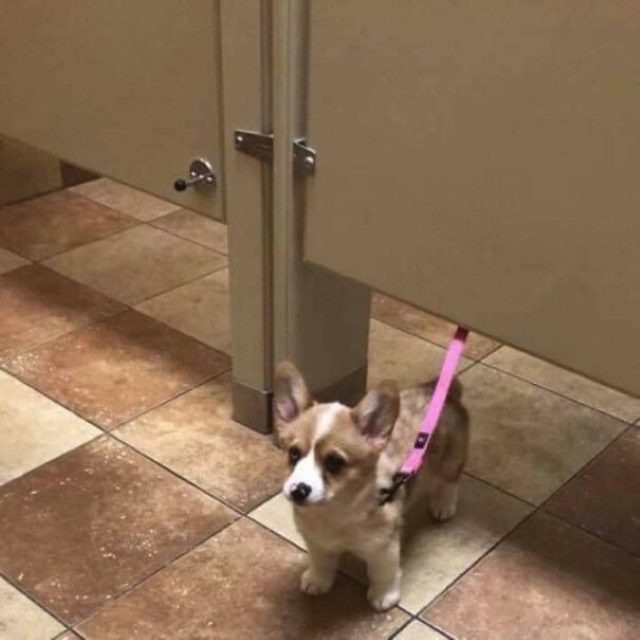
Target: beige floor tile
{"points": [[195, 227], [137, 264], [396, 355], [434, 554], [69, 635], [133, 202], [528, 440], [199, 308], [276, 514], [21, 619], [568, 384], [34, 429], [426, 326], [10, 261], [419, 631], [195, 437]]}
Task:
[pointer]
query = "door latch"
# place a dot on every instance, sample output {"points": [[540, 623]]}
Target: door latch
{"points": [[260, 145]]}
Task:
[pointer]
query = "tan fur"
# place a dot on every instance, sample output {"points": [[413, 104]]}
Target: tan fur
{"points": [[374, 440]]}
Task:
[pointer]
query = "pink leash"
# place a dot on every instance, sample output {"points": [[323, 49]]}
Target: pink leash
{"points": [[415, 458]]}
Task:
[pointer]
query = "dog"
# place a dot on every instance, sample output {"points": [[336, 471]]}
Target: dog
{"points": [[341, 458]]}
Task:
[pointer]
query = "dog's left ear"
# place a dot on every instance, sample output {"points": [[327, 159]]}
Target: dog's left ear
{"points": [[378, 411]]}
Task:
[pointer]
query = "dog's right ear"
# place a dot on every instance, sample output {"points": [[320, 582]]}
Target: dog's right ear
{"points": [[291, 396]]}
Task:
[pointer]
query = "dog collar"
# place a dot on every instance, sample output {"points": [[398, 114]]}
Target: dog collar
{"points": [[414, 460]]}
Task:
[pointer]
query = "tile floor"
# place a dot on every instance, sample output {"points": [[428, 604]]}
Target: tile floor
{"points": [[132, 506]]}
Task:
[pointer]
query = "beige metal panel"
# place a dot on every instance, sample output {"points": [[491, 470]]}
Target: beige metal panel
{"points": [[127, 88], [320, 320], [481, 160], [246, 79]]}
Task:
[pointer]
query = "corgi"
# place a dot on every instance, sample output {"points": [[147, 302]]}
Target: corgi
{"points": [[341, 458]]}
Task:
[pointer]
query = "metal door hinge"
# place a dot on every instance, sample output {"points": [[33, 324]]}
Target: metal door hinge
{"points": [[260, 145]]}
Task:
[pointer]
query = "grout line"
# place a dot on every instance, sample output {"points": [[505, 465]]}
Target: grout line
{"points": [[476, 562], [18, 587], [166, 565], [558, 393], [501, 490], [151, 223], [431, 341], [103, 430], [401, 628]]}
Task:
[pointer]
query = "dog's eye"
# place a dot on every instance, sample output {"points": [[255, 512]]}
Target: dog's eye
{"points": [[334, 463], [294, 455]]}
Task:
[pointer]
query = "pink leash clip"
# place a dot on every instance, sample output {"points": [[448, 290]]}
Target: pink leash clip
{"points": [[432, 415]]}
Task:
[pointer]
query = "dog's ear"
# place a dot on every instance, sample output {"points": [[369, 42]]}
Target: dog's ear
{"points": [[378, 411], [291, 396]]}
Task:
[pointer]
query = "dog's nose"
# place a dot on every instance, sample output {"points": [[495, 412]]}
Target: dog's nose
{"points": [[300, 492]]}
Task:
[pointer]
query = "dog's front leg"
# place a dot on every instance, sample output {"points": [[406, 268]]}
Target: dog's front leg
{"points": [[383, 565], [319, 577]]}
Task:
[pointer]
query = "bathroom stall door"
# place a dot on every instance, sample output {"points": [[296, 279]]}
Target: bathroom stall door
{"points": [[481, 160], [130, 89]]}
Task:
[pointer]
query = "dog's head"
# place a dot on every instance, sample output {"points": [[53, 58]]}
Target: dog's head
{"points": [[331, 448]]}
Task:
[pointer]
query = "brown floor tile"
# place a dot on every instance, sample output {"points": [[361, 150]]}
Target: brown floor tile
{"points": [[395, 355], [195, 227], [10, 261], [137, 264], [34, 429], [243, 583], [434, 554], [195, 437], [566, 383], [57, 222], [528, 440], [118, 368], [419, 631], [39, 305], [21, 619], [199, 308], [82, 529], [548, 580], [605, 498], [133, 202], [426, 326]]}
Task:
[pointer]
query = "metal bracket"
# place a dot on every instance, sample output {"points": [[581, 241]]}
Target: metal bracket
{"points": [[260, 145]]}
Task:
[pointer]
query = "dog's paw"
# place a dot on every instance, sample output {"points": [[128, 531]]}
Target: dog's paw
{"points": [[443, 511], [444, 503], [381, 601], [315, 585]]}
